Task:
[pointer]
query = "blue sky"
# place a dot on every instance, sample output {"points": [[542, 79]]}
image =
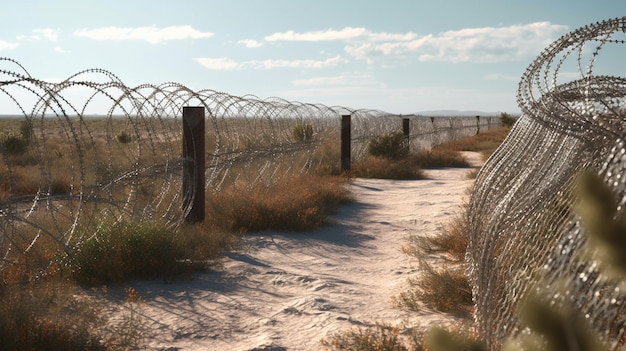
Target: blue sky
{"points": [[400, 56]]}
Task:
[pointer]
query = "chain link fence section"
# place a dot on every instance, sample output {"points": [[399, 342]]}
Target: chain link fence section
{"points": [[525, 235]]}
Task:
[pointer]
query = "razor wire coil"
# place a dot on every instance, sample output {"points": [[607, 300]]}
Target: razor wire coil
{"points": [[525, 236]]}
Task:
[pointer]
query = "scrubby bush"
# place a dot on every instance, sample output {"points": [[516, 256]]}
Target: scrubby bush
{"points": [[122, 251], [14, 144], [47, 316], [124, 137], [390, 146], [506, 119], [293, 204], [383, 168], [382, 337], [446, 290], [302, 132]]}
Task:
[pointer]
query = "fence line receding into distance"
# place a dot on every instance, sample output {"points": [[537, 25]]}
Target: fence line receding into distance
{"points": [[77, 153]]}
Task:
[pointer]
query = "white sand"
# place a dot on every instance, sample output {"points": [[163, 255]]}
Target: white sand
{"points": [[287, 291]]}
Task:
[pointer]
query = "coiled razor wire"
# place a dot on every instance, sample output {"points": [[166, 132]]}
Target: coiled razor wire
{"points": [[525, 234], [98, 150]]}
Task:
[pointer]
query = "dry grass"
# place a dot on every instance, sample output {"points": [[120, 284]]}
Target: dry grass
{"points": [[485, 143], [438, 157], [291, 204], [123, 251], [381, 337], [47, 316], [451, 239], [384, 168], [445, 290]]}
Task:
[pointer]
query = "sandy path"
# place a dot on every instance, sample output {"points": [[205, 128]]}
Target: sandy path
{"points": [[287, 291]]}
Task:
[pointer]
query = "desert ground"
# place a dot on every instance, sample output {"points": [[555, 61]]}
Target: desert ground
{"points": [[287, 291]]}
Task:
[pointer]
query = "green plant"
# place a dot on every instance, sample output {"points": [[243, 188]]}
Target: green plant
{"points": [[302, 132], [125, 250], [391, 146], [14, 144], [506, 119], [124, 137]]}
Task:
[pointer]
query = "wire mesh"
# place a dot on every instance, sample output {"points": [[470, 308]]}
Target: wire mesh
{"points": [[525, 234]]}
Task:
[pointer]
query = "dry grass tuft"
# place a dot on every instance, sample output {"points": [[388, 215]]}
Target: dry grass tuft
{"points": [[292, 204], [47, 316], [381, 337], [485, 142], [384, 168], [439, 157], [450, 239], [446, 290]]}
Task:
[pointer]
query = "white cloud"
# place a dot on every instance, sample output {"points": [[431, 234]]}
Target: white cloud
{"points": [[151, 34], [60, 50], [323, 35], [5, 45], [227, 64], [45, 33], [218, 63], [345, 34], [500, 76], [487, 44], [357, 79], [250, 43]]}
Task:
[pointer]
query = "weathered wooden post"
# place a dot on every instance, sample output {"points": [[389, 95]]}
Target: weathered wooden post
{"points": [[477, 125], [193, 164], [406, 130], [346, 135]]}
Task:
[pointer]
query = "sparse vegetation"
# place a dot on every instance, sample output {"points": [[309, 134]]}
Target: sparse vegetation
{"points": [[382, 337], [124, 137], [292, 204], [302, 132], [122, 251], [126, 250], [383, 168], [451, 239], [391, 146], [507, 120], [446, 290]]}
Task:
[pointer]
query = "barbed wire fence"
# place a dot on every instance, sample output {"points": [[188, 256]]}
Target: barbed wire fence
{"points": [[525, 234], [90, 149]]}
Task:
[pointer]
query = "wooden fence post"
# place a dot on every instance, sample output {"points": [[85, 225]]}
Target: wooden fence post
{"points": [[346, 135], [406, 130], [193, 164], [477, 125]]}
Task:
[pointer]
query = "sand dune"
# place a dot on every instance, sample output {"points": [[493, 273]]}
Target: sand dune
{"points": [[287, 291]]}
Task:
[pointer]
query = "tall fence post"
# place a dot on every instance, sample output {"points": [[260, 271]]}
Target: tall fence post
{"points": [[406, 130], [193, 165], [477, 125], [346, 135]]}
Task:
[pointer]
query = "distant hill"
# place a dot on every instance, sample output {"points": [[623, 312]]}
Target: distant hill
{"points": [[456, 113]]}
